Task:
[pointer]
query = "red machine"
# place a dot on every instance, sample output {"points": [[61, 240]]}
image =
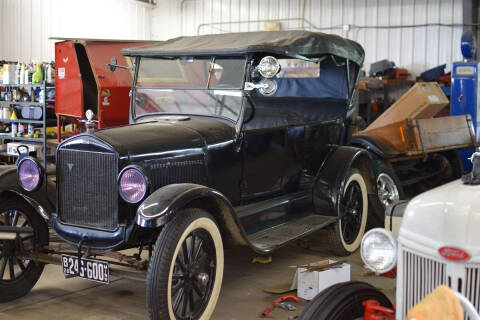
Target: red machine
{"points": [[83, 81]]}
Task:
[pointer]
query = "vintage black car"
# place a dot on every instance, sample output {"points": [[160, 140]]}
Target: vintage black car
{"points": [[234, 139]]}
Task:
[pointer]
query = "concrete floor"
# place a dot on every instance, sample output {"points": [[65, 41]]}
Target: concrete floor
{"points": [[242, 296]]}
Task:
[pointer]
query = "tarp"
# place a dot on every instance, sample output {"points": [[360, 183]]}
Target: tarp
{"points": [[288, 43]]}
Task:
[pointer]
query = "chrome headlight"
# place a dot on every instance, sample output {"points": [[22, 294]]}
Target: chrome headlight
{"points": [[29, 174], [268, 87], [268, 67], [132, 184], [379, 250]]}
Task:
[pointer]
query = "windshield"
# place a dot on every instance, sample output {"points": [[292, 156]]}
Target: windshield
{"points": [[194, 86]]}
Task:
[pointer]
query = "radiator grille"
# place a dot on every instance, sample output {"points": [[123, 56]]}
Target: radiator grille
{"points": [[421, 275], [472, 286], [167, 171], [87, 188]]}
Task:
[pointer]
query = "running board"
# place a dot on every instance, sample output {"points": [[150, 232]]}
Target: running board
{"points": [[270, 239]]}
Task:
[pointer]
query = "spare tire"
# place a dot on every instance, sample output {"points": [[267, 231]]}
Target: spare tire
{"points": [[343, 301]]}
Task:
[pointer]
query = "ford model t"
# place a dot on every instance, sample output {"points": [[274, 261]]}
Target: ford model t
{"points": [[234, 139]]}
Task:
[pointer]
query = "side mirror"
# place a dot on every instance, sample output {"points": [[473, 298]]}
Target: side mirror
{"points": [[112, 65]]}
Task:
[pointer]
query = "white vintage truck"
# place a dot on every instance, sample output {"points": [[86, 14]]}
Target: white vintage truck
{"points": [[438, 243]]}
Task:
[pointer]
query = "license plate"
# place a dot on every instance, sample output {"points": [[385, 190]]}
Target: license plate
{"points": [[90, 269]]}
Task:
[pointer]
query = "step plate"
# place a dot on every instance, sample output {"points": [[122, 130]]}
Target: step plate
{"points": [[270, 239]]}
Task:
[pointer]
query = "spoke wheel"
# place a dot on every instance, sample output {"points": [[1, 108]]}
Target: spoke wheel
{"points": [[346, 235], [186, 269], [12, 265], [18, 274], [351, 222], [193, 275]]}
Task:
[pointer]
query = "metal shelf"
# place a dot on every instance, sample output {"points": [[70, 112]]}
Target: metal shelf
{"points": [[22, 121], [9, 137], [43, 122], [8, 154], [22, 103], [30, 85]]}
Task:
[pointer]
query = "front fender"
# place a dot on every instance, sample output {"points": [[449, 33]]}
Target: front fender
{"points": [[332, 176], [42, 200], [161, 206]]}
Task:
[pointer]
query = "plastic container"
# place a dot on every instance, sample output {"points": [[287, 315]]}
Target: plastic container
{"points": [[14, 129]]}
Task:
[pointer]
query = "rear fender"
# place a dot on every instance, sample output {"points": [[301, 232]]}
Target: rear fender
{"points": [[165, 203], [374, 145], [333, 174], [42, 201]]}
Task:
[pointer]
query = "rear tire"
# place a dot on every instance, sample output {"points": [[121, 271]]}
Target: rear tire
{"points": [[343, 301], [346, 234], [186, 270], [18, 276]]}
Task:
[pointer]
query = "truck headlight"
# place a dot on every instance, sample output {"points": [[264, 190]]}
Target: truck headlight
{"points": [[29, 174], [132, 184], [379, 250]]}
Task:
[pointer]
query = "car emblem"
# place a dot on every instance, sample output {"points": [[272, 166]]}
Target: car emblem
{"points": [[453, 254], [70, 166]]}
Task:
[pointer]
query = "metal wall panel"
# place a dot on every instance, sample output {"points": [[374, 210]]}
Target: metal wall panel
{"points": [[26, 25], [415, 48]]}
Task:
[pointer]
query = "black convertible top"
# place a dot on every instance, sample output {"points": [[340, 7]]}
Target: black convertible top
{"points": [[289, 43]]}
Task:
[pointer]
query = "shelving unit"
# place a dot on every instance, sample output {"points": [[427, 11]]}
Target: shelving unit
{"points": [[43, 139]]}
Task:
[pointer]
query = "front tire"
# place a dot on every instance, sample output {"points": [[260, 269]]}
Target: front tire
{"points": [[186, 269], [18, 275], [346, 234], [343, 301]]}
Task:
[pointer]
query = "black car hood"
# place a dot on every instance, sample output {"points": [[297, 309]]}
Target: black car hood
{"points": [[157, 137]]}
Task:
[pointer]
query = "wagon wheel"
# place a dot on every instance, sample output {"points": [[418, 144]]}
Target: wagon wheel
{"points": [[186, 269], [18, 274], [346, 234]]}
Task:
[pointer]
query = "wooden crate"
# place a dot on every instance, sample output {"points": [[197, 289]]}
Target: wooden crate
{"points": [[420, 136]]}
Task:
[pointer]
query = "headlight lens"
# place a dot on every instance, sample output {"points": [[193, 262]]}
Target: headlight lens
{"points": [[379, 250], [268, 67], [132, 185], [29, 174], [269, 87]]}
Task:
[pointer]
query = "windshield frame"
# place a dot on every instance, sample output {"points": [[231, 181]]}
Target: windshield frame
{"points": [[134, 117]]}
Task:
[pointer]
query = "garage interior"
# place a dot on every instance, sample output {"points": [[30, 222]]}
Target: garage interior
{"points": [[396, 104]]}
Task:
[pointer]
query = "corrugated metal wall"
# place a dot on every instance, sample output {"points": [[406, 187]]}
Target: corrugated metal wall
{"points": [[26, 25], [415, 48]]}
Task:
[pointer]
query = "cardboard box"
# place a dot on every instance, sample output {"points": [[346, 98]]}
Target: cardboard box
{"points": [[310, 283], [423, 100]]}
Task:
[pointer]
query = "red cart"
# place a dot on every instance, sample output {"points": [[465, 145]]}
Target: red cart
{"points": [[83, 81]]}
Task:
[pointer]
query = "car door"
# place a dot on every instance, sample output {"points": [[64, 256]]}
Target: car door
{"points": [[268, 158]]}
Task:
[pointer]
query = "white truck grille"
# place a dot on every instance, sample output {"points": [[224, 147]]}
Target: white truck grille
{"points": [[418, 275], [472, 285]]}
